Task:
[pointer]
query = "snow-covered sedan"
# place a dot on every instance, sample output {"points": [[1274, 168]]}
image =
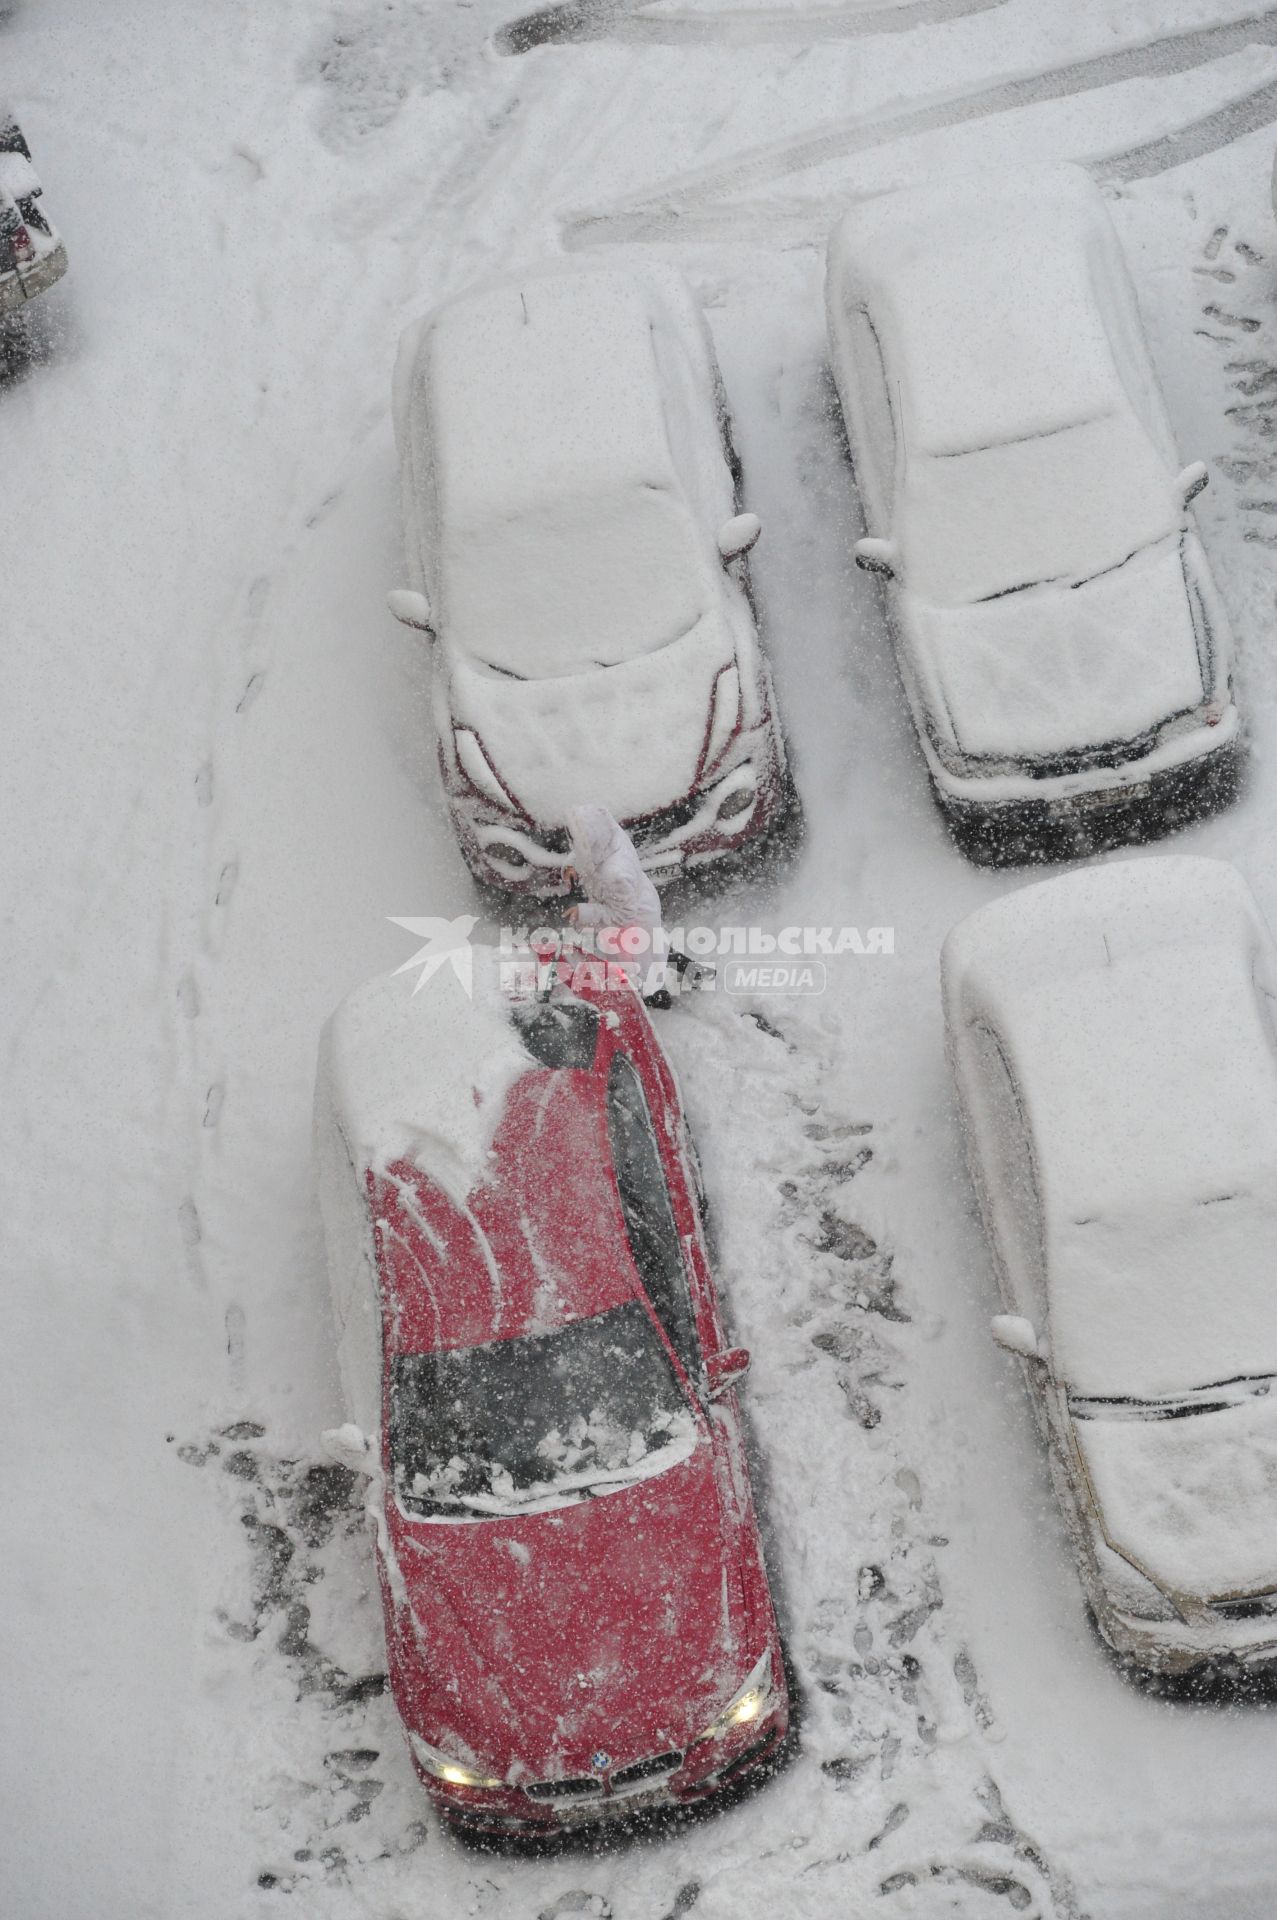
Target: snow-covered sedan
{"points": [[1064, 649], [575, 544], [1112, 1038], [32, 255], [578, 1621]]}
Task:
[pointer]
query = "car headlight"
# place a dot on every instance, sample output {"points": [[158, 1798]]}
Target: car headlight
{"points": [[750, 1702], [736, 801], [505, 852], [450, 1771]]}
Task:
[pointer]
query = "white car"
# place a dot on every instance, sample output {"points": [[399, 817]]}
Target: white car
{"points": [[1063, 647], [1112, 1038], [32, 255], [575, 546]]}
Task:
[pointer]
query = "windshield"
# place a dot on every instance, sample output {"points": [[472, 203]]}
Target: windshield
{"points": [[525, 1422], [573, 585], [1058, 506]]}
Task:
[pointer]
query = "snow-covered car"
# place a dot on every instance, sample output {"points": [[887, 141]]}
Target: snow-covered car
{"points": [[575, 542], [1063, 647], [1112, 1038], [32, 255], [578, 1622]]}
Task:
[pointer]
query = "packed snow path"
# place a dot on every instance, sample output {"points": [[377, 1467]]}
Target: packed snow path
{"points": [[218, 786]]}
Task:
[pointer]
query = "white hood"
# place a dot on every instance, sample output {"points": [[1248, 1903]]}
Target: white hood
{"points": [[1058, 669], [1192, 1501], [628, 737]]}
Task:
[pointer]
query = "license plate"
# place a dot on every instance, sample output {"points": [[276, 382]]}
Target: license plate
{"points": [[1106, 797]]}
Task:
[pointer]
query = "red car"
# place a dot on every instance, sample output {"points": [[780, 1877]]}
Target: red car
{"points": [[578, 1619]]}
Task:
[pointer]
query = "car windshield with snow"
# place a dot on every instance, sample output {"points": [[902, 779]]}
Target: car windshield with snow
{"points": [[575, 545], [1065, 651], [541, 1395], [1113, 1041], [539, 1420]]}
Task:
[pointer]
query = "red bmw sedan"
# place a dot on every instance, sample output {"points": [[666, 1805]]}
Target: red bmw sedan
{"points": [[578, 1621]]}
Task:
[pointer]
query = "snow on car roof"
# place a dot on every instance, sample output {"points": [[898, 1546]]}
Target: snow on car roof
{"points": [[423, 1075], [985, 291], [565, 543], [544, 387], [1124, 1003]]}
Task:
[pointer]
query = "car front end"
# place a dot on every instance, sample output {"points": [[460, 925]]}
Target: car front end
{"points": [[741, 792], [1047, 810], [599, 1785], [32, 256]]}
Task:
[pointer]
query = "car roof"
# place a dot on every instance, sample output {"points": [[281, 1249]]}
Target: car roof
{"points": [[546, 387], [986, 293], [540, 1243], [1124, 1001], [416, 1065]]}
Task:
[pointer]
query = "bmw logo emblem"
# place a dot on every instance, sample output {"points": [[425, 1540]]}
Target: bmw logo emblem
{"points": [[600, 1761]]}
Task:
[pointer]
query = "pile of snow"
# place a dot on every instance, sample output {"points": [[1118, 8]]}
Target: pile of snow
{"points": [[422, 1075]]}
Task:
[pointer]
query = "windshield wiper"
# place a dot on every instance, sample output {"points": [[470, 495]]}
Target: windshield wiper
{"points": [[1215, 1398]]}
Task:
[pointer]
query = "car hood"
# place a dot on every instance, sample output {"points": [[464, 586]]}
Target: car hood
{"points": [[1191, 1500], [1056, 669], [629, 737], [619, 1624]]}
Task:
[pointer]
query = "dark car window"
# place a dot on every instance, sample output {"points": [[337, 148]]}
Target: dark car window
{"points": [[590, 1406], [562, 1033], [649, 1216]]}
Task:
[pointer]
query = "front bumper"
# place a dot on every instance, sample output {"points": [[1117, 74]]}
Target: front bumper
{"points": [[1067, 790], [1007, 819], [1176, 1648], [689, 834], [708, 1768]]}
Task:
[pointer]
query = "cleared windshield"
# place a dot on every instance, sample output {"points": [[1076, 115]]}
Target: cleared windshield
{"points": [[574, 585], [517, 1423], [1059, 506]]}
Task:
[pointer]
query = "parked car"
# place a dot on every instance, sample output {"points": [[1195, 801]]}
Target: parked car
{"points": [[1065, 652], [540, 1390], [574, 539], [1111, 1035], [32, 255]]}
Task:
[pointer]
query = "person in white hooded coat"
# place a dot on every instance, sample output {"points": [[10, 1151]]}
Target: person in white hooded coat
{"points": [[618, 894]]}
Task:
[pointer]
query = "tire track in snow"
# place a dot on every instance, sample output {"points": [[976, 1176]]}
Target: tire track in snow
{"points": [[628, 21], [670, 208]]}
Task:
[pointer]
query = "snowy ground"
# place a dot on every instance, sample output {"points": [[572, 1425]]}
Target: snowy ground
{"points": [[217, 787]]}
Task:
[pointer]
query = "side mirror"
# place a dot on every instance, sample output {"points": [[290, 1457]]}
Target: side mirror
{"points": [[724, 1369], [1193, 480], [739, 535], [876, 556], [413, 609], [350, 1447], [1014, 1334]]}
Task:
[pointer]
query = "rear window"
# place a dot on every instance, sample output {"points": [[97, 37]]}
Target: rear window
{"points": [[563, 1033]]}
